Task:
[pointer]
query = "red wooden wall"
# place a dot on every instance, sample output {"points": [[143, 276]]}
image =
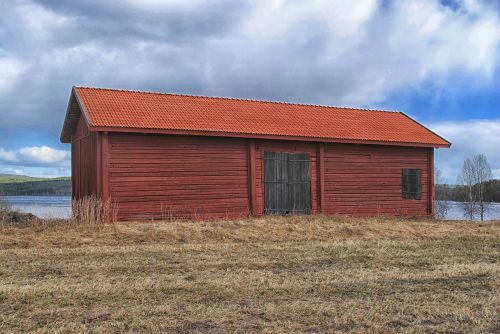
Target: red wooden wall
{"points": [[162, 177], [159, 177], [84, 156], [366, 180]]}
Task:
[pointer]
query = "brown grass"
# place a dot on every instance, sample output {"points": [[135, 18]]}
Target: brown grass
{"points": [[88, 211], [91, 210], [272, 275]]}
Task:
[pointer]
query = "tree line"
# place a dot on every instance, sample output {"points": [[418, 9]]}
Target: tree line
{"points": [[37, 188], [457, 193], [475, 189]]}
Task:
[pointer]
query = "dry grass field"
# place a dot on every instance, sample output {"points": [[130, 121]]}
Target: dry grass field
{"points": [[269, 275]]}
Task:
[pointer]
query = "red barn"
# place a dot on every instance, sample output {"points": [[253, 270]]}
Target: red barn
{"points": [[159, 155]]}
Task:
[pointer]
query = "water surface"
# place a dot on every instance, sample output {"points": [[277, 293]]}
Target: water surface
{"points": [[456, 212], [60, 207], [42, 206]]}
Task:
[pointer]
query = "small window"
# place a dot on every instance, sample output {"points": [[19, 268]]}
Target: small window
{"points": [[412, 183]]}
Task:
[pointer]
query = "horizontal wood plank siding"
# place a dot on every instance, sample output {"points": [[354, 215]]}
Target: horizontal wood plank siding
{"points": [[168, 176], [84, 156], [366, 180], [162, 177]]}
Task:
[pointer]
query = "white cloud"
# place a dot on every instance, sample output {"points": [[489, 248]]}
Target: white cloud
{"points": [[37, 171], [278, 17], [357, 54], [36, 156], [10, 70], [343, 52], [43, 155], [468, 138], [7, 156], [14, 171], [155, 5]]}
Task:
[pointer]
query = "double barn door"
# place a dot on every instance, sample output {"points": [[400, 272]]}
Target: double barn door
{"points": [[287, 183]]}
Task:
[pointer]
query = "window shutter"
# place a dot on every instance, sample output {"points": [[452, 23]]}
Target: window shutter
{"points": [[405, 183], [411, 183]]}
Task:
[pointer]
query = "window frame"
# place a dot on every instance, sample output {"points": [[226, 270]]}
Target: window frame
{"points": [[409, 190]]}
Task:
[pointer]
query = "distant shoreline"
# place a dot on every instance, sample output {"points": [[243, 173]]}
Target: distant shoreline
{"points": [[55, 187]]}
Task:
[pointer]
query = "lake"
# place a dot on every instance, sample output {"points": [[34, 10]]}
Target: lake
{"points": [[456, 212], [42, 206], [60, 207]]}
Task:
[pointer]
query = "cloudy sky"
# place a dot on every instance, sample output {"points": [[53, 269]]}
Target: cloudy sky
{"points": [[437, 60]]}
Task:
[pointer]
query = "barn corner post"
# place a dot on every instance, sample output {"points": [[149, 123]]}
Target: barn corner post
{"points": [[99, 168], [321, 177], [74, 170], [104, 175], [75, 177]]}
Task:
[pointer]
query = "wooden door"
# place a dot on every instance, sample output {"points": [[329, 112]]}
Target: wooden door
{"points": [[287, 183]]}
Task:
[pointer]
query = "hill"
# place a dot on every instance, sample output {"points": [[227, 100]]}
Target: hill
{"points": [[22, 185], [12, 178]]}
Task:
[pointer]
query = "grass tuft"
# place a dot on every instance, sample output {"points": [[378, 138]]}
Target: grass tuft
{"points": [[91, 210]]}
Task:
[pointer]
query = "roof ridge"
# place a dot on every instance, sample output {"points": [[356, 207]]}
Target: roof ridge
{"points": [[239, 99]]}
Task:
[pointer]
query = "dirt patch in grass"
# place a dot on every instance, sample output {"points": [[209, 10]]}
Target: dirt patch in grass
{"points": [[269, 275]]}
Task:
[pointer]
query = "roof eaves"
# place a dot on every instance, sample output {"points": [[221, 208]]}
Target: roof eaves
{"points": [[423, 126], [68, 128], [64, 137], [85, 113], [260, 136]]}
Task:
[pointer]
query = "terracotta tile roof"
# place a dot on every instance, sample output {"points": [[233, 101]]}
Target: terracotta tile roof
{"points": [[120, 109]]}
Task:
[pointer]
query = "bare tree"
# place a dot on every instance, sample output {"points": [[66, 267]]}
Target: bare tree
{"points": [[441, 205], [482, 175], [468, 178], [476, 171]]}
